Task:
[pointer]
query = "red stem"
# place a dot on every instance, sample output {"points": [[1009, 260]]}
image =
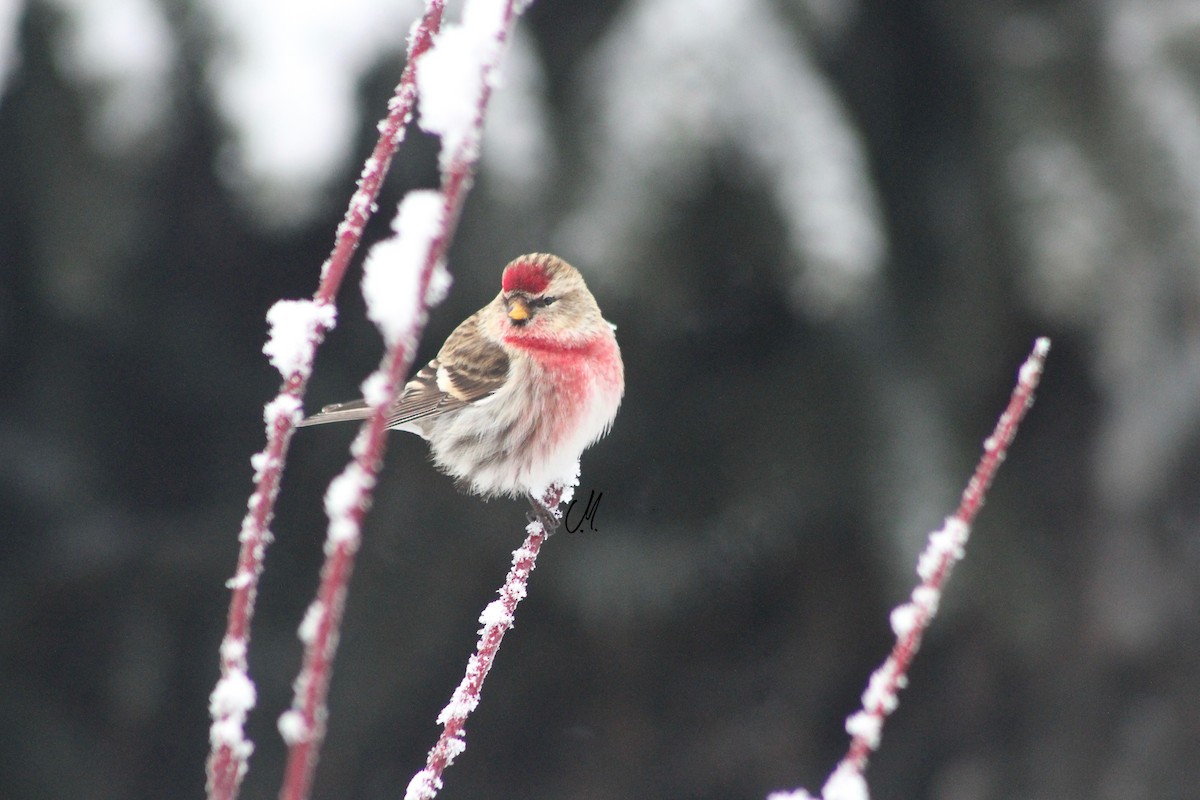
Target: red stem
{"points": [[426, 783], [226, 766], [391, 133], [995, 450], [319, 653]]}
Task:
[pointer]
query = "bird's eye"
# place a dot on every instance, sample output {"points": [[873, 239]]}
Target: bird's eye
{"points": [[548, 300]]}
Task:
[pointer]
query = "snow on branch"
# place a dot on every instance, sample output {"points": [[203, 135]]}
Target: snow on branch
{"points": [[412, 262], [496, 619], [392, 272], [910, 620], [297, 327]]}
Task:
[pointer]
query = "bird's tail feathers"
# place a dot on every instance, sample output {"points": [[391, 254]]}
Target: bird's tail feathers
{"points": [[339, 412]]}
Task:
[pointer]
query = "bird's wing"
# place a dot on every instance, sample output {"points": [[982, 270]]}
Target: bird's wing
{"points": [[468, 369]]}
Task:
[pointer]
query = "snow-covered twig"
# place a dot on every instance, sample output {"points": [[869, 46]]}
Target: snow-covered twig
{"points": [[497, 618], [454, 79], [910, 620], [297, 327]]}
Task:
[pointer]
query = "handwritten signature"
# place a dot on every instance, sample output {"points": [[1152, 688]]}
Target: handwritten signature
{"points": [[589, 513]]}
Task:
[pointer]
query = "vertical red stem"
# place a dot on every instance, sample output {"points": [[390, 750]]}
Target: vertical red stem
{"points": [[227, 766], [313, 683]]}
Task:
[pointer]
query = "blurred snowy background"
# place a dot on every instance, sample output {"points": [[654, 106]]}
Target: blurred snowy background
{"points": [[828, 232]]}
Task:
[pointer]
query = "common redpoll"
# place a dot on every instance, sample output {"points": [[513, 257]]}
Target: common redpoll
{"points": [[519, 390]]}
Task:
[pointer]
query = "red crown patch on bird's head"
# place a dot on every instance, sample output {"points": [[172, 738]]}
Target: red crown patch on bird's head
{"points": [[525, 276]]}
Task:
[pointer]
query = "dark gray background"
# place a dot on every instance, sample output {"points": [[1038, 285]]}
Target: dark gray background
{"points": [[1022, 169]]}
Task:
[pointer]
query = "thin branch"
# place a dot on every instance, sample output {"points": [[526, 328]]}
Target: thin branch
{"points": [[391, 134], [233, 697], [349, 496], [497, 619], [945, 549], [910, 620]]}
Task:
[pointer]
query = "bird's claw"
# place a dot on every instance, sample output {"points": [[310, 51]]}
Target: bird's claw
{"points": [[540, 513]]}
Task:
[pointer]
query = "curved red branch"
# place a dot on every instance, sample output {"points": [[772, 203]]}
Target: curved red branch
{"points": [[228, 760]]}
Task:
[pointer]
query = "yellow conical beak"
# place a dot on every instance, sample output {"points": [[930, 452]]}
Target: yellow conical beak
{"points": [[518, 309]]}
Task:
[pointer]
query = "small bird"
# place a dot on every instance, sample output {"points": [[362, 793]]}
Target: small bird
{"points": [[519, 390]]}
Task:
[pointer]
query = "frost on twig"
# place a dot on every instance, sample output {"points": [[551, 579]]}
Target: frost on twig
{"points": [[909, 621], [497, 619], [297, 327], [404, 275], [392, 272]]}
